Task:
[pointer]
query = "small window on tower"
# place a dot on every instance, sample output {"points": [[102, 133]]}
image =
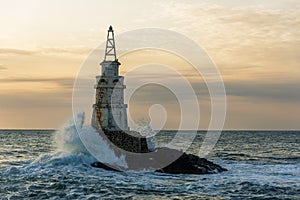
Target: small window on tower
{"points": [[115, 71]]}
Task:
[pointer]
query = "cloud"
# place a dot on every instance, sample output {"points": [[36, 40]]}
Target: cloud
{"points": [[247, 41], [66, 50], [16, 51], [284, 92], [65, 82], [36, 99], [219, 26], [29, 97], [76, 51], [2, 67], [254, 91]]}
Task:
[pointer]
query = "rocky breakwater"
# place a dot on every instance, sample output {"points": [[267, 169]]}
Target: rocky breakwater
{"points": [[191, 164], [164, 160]]}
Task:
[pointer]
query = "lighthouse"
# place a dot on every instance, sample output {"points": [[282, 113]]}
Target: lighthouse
{"points": [[109, 108], [109, 118], [109, 111]]}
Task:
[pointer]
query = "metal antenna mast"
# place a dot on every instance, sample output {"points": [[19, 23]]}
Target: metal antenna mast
{"points": [[110, 50]]}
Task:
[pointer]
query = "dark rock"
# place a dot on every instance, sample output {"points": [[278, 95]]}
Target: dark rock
{"points": [[191, 164], [104, 166], [184, 164]]}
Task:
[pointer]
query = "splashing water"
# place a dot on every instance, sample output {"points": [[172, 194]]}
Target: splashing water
{"points": [[144, 128], [67, 139], [76, 139], [262, 165]]}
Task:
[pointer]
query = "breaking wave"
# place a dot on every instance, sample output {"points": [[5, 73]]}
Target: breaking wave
{"points": [[80, 144], [257, 169]]}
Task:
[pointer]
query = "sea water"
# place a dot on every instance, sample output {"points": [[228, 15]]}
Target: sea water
{"points": [[44, 164]]}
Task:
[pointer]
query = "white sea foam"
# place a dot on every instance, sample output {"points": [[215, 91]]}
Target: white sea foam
{"points": [[76, 142], [144, 128], [67, 139], [99, 148]]}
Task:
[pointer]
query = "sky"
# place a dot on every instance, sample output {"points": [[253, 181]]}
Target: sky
{"points": [[254, 44]]}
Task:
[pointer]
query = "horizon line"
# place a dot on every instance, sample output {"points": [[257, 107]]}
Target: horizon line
{"points": [[49, 129]]}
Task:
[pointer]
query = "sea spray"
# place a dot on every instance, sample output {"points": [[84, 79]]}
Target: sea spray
{"points": [[259, 175], [144, 128], [77, 143], [69, 150], [99, 148], [67, 139]]}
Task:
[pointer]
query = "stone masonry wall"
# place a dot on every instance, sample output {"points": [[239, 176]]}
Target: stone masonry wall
{"points": [[131, 141]]}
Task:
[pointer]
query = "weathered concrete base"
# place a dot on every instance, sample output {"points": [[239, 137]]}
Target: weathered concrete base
{"points": [[130, 141]]}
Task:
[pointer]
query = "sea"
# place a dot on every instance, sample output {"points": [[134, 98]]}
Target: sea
{"points": [[48, 164]]}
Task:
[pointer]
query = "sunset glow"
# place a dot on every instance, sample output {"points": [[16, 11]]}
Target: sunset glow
{"points": [[255, 46]]}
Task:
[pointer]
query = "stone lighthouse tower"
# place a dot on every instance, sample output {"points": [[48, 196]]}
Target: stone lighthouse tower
{"points": [[109, 108], [109, 111]]}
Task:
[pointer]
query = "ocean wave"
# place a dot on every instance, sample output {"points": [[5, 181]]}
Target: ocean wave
{"points": [[75, 145], [75, 138], [64, 172], [268, 159]]}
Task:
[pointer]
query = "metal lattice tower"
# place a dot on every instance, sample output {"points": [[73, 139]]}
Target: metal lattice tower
{"points": [[110, 50]]}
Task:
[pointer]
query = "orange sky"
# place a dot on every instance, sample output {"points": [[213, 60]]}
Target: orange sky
{"points": [[255, 46]]}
